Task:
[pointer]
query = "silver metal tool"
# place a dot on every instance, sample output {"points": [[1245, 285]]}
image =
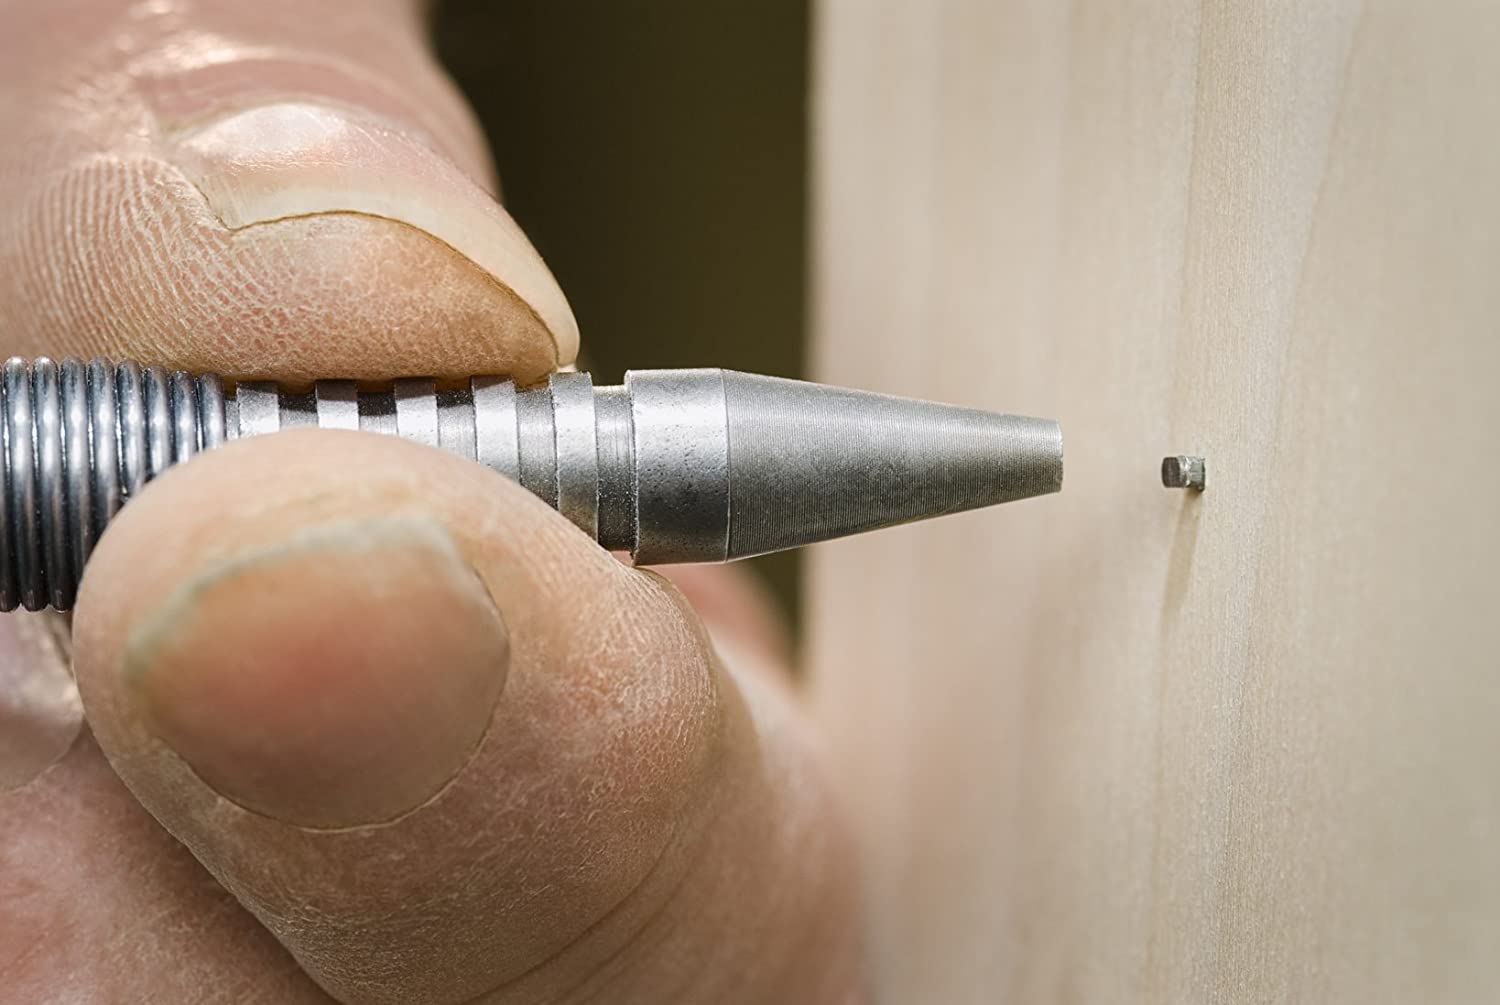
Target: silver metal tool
{"points": [[672, 465]]}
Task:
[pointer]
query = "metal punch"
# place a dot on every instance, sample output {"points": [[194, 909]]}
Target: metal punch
{"points": [[672, 465]]}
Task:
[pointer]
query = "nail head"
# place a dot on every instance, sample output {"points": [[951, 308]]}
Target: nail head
{"points": [[1184, 472]]}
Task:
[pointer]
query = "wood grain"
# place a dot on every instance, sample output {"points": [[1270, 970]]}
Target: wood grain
{"points": [[1127, 743]]}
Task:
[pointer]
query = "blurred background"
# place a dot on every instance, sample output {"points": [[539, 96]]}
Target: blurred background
{"points": [[656, 153]]}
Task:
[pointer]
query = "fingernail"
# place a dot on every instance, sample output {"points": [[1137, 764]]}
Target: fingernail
{"points": [[341, 679], [40, 712], [293, 159]]}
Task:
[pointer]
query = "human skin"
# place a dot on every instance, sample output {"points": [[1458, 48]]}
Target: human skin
{"points": [[355, 720]]}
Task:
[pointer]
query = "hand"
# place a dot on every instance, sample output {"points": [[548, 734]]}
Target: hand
{"points": [[406, 734]]}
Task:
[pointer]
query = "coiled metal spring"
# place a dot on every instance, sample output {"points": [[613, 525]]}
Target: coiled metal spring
{"points": [[79, 440]]}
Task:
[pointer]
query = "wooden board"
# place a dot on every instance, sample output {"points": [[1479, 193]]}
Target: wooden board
{"points": [[1125, 743]]}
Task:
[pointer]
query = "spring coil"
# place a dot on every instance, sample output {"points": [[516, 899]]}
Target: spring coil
{"points": [[79, 440]]}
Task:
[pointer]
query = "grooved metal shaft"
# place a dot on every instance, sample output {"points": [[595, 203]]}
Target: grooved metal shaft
{"points": [[672, 465]]}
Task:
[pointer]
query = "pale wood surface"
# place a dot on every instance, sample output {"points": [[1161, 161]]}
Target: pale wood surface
{"points": [[1125, 744]]}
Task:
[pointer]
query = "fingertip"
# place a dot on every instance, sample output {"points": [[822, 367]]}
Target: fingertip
{"points": [[40, 712]]}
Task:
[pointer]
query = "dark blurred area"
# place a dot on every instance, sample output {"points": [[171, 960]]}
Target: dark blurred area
{"points": [[655, 152]]}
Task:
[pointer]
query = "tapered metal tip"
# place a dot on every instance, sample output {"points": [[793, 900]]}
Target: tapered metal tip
{"points": [[810, 462], [1029, 455]]}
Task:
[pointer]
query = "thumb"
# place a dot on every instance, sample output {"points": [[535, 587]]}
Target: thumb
{"points": [[273, 189], [445, 748]]}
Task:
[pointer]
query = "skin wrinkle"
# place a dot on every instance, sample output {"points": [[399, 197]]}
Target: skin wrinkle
{"points": [[701, 844], [60, 627], [609, 913], [704, 831], [670, 849], [40, 708], [41, 776], [126, 914], [650, 922], [41, 938], [758, 698]]}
